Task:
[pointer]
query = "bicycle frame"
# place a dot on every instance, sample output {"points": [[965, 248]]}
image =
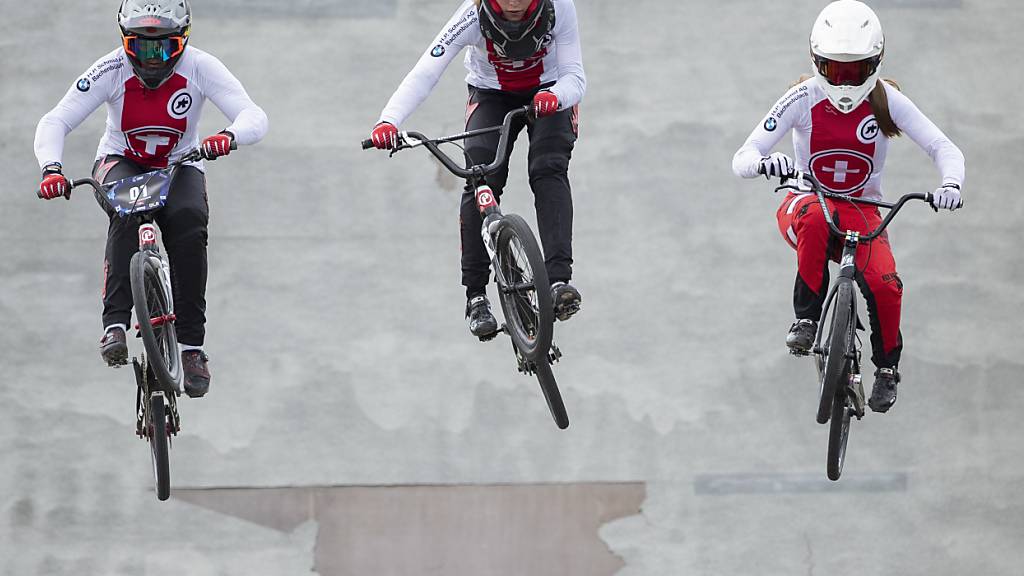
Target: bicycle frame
{"points": [[806, 182], [147, 230], [515, 257]]}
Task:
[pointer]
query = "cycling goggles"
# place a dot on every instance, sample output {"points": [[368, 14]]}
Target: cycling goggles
{"points": [[145, 49], [847, 73]]}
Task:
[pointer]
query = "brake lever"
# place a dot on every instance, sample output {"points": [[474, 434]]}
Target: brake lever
{"points": [[801, 183], [531, 115]]}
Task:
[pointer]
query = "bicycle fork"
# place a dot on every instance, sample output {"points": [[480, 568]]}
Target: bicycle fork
{"points": [[147, 243], [487, 203], [848, 273]]}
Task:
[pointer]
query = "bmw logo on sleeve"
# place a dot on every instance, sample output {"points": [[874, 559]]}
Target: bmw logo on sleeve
{"points": [[84, 85], [438, 51], [771, 124]]}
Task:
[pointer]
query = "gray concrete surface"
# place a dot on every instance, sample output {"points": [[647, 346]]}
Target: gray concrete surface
{"points": [[340, 357], [459, 529]]}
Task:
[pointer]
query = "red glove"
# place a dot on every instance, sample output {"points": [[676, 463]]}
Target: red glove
{"points": [[216, 146], [54, 184], [545, 104], [384, 136]]}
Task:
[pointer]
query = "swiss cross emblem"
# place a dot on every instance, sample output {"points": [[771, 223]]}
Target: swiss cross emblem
{"points": [[152, 142], [842, 171]]}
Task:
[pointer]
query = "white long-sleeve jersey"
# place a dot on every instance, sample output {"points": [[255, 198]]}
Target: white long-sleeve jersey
{"points": [[845, 152], [150, 127], [559, 62]]}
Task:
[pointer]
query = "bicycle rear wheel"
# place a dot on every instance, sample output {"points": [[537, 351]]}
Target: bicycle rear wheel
{"points": [[524, 290], [838, 435], [152, 309], [546, 377], [159, 445], [838, 342]]}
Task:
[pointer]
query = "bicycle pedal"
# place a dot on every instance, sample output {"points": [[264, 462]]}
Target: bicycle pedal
{"points": [[799, 353], [564, 313], [489, 337], [554, 354], [525, 367]]}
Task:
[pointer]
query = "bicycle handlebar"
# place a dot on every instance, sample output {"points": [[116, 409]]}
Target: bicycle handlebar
{"points": [[813, 186], [408, 140], [191, 156]]}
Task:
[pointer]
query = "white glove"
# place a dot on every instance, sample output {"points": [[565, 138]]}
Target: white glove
{"points": [[778, 165], [947, 197]]}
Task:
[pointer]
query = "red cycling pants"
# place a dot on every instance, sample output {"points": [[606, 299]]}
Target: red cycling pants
{"points": [[804, 227]]}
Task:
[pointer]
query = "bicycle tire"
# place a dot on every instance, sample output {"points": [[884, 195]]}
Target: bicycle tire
{"points": [[530, 321], [549, 387], [159, 446], [838, 436], [838, 339], [150, 300]]}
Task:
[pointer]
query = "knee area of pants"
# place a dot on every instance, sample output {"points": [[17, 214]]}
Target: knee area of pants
{"points": [[548, 163], [480, 155], [191, 237], [888, 292], [885, 292], [187, 217]]}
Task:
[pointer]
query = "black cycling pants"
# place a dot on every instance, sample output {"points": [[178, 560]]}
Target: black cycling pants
{"points": [[551, 143], [183, 227]]}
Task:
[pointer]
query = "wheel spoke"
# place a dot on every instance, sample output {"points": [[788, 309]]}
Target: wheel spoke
{"points": [[158, 308], [523, 293]]}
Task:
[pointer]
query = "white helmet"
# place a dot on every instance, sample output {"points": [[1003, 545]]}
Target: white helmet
{"points": [[847, 46]]}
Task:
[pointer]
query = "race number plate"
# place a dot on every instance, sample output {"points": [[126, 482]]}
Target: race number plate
{"points": [[138, 194]]}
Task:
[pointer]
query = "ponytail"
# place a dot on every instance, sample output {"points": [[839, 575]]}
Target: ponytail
{"points": [[880, 107], [803, 78]]}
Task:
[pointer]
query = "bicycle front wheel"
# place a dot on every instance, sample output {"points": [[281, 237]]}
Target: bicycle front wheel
{"points": [[838, 435], [159, 446], [838, 342], [546, 377], [152, 311], [524, 290]]}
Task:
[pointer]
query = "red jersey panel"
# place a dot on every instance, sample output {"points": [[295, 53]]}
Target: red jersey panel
{"points": [[154, 121]]}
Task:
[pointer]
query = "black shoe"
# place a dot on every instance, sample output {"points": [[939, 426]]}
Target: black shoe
{"points": [[801, 337], [567, 300], [883, 395], [197, 375], [114, 347], [481, 322]]}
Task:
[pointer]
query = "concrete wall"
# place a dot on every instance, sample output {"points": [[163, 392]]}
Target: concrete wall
{"points": [[339, 352]]}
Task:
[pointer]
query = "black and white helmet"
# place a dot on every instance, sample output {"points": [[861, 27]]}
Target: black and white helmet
{"points": [[155, 33], [517, 40]]}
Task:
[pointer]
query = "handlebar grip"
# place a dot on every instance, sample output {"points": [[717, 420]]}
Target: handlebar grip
{"points": [[367, 144], [67, 193], [234, 145]]}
